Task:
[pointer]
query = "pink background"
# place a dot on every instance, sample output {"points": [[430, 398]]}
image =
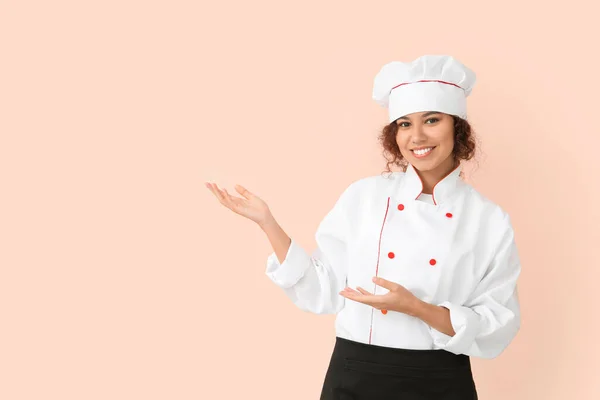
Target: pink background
{"points": [[122, 277]]}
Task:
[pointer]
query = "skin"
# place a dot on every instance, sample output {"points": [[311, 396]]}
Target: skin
{"points": [[417, 130], [426, 129]]}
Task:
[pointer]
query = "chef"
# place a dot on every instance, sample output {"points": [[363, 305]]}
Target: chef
{"points": [[420, 268]]}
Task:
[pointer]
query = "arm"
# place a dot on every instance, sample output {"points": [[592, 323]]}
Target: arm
{"points": [[312, 281], [490, 318], [437, 317], [279, 240]]}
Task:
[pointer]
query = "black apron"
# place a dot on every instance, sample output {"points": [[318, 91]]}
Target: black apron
{"points": [[360, 371]]}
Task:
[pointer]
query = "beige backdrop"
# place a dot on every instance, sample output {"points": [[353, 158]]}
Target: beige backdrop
{"points": [[122, 277]]}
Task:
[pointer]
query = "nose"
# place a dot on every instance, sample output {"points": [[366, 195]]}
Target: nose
{"points": [[418, 135]]}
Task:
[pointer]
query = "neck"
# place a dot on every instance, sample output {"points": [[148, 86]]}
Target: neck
{"points": [[431, 177]]}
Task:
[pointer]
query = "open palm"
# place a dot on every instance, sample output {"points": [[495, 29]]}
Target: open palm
{"points": [[249, 205]]}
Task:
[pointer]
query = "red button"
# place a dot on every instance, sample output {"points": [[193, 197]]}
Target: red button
{"points": [[384, 312], [391, 254], [400, 207], [432, 261], [449, 215]]}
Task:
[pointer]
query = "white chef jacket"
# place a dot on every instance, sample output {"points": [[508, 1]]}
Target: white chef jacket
{"points": [[454, 248]]}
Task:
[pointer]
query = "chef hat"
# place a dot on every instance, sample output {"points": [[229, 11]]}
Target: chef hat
{"points": [[429, 83]]}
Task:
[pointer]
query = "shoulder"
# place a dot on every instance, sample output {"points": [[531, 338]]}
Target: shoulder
{"points": [[379, 182], [371, 185], [490, 214]]}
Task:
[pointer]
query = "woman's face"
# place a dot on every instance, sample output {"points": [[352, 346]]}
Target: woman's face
{"points": [[425, 130]]}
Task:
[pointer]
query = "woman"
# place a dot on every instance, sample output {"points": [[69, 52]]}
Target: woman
{"points": [[419, 267]]}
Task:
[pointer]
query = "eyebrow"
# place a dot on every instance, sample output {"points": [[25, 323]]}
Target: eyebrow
{"points": [[423, 116]]}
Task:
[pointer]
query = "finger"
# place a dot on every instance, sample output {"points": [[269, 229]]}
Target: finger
{"points": [[230, 200], [374, 300], [363, 291], [356, 296], [384, 283], [223, 196], [369, 299], [231, 197], [348, 291], [244, 192], [226, 195], [217, 192]]}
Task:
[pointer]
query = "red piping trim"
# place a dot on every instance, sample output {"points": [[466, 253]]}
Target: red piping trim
{"points": [[427, 80], [377, 267], [433, 190]]}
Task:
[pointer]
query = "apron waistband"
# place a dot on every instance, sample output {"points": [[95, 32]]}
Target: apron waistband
{"points": [[426, 358]]}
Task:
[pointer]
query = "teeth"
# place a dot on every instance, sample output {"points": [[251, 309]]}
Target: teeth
{"points": [[423, 151]]}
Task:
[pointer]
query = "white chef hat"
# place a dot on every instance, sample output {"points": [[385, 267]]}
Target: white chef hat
{"points": [[429, 83]]}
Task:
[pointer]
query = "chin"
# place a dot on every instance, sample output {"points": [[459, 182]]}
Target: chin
{"points": [[426, 164]]}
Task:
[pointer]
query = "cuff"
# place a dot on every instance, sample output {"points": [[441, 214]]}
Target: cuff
{"points": [[289, 272], [465, 323]]}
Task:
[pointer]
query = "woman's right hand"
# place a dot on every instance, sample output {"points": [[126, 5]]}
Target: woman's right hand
{"points": [[250, 206]]}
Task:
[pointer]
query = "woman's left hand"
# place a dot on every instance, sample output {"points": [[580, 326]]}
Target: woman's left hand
{"points": [[397, 299]]}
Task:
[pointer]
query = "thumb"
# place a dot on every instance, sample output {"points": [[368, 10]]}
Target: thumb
{"points": [[243, 191], [384, 283]]}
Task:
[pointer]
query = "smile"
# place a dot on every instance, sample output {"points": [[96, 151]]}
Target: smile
{"points": [[422, 152]]}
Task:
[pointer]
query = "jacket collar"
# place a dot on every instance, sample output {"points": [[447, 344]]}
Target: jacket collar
{"points": [[443, 190]]}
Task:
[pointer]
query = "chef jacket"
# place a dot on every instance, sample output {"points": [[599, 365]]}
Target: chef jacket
{"points": [[454, 248]]}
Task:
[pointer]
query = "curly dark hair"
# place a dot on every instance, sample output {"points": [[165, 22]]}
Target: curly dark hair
{"points": [[464, 143]]}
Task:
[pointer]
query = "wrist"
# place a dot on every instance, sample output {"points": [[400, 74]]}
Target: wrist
{"points": [[419, 308], [268, 222]]}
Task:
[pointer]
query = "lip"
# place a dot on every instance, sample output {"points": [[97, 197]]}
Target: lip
{"points": [[424, 155]]}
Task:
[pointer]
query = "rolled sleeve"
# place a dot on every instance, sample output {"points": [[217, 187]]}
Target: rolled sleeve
{"points": [[313, 280], [466, 324], [490, 318], [293, 267]]}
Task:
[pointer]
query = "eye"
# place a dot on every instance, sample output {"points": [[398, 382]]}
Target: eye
{"points": [[401, 124]]}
